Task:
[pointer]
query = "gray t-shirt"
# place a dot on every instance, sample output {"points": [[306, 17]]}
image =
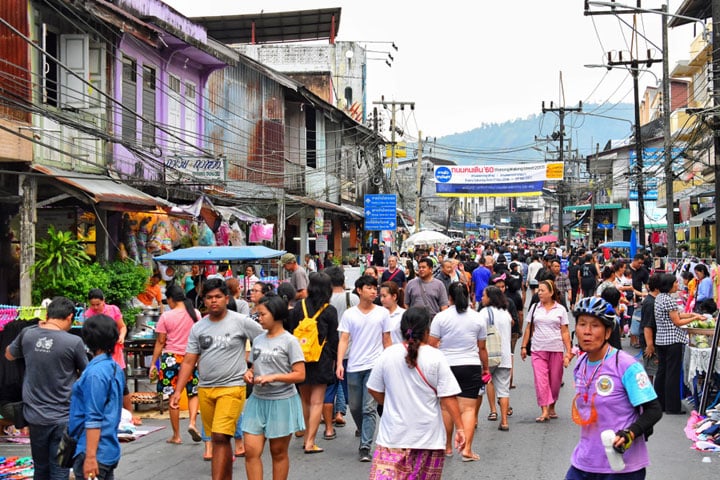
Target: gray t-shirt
{"points": [[434, 296], [54, 360], [299, 279], [275, 355], [221, 347]]}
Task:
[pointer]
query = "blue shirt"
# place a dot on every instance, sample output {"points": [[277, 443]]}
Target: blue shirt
{"points": [[96, 402], [480, 278], [704, 289]]}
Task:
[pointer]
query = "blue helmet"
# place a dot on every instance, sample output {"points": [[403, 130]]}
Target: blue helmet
{"points": [[597, 307]]}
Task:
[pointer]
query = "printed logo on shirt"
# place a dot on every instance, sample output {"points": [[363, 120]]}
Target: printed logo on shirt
{"points": [[604, 385], [43, 344], [642, 379]]}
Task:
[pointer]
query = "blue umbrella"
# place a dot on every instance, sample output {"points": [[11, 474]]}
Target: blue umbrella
{"points": [[633, 243]]}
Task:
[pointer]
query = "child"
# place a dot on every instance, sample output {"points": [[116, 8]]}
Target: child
{"points": [[273, 411]]}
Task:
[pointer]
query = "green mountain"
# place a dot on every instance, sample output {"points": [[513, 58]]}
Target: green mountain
{"points": [[515, 140]]}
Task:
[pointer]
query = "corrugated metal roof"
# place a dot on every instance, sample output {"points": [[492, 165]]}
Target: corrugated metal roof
{"points": [[326, 205], [102, 189], [700, 9], [296, 26]]}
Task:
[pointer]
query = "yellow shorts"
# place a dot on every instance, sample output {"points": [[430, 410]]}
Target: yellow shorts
{"points": [[220, 408]]}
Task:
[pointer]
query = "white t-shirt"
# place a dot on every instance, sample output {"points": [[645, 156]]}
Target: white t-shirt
{"points": [[503, 323], [366, 335], [411, 413], [392, 325], [459, 334]]}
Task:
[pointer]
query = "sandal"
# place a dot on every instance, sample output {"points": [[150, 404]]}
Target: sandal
{"points": [[330, 436], [541, 419], [314, 449], [493, 416], [504, 428], [553, 416], [194, 434], [472, 458]]}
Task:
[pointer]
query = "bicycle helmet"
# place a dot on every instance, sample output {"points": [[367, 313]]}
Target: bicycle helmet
{"points": [[598, 308]]}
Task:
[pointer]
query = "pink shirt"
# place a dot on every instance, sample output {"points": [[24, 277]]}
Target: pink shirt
{"points": [[176, 324], [546, 328]]}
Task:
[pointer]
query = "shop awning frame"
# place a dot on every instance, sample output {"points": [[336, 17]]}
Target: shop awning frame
{"points": [[708, 216], [598, 206], [101, 189]]}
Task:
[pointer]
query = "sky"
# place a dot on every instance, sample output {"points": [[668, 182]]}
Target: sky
{"points": [[466, 64]]}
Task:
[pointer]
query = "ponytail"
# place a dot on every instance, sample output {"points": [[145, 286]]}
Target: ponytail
{"points": [[414, 325], [459, 293]]}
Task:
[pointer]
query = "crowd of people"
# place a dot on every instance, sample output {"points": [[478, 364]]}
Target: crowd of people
{"points": [[410, 351]]}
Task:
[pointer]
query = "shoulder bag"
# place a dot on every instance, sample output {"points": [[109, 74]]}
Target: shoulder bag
{"points": [[493, 341], [528, 347]]}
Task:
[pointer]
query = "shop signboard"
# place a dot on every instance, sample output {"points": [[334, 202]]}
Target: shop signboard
{"points": [[183, 169]]}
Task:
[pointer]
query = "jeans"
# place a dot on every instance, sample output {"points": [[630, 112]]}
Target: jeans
{"points": [[363, 407], [342, 393], [44, 440], [106, 472]]}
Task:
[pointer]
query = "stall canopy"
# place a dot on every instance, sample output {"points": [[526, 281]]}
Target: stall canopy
{"points": [[219, 254]]}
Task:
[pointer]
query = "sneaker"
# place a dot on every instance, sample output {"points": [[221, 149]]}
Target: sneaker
{"points": [[365, 455]]}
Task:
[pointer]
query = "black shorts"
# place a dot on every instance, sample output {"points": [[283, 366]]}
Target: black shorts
{"points": [[470, 379]]}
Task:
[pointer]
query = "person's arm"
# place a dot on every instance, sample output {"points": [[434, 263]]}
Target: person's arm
{"points": [[526, 339], [387, 339], [650, 344], [342, 348], [450, 405], [378, 396], [433, 341], [9, 355], [565, 333], [680, 319], [483, 356], [186, 369], [159, 345], [301, 294], [651, 414], [90, 466], [296, 375]]}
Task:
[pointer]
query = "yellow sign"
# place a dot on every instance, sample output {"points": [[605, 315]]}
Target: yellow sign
{"points": [[554, 170], [400, 150]]}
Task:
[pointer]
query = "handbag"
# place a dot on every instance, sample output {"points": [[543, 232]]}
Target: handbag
{"points": [[493, 342], [66, 450]]}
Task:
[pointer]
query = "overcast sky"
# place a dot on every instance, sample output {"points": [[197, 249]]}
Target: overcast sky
{"points": [[468, 63]]}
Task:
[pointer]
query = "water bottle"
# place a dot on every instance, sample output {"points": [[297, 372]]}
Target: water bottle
{"points": [[615, 458]]}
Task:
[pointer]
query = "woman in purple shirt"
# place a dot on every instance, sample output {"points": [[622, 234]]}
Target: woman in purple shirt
{"points": [[611, 389]]}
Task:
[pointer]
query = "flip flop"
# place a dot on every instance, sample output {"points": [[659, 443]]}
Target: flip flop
{"points": [[332, 435], [510, 412], [240, 454], [339, 422], [472, 458], [194, 434], [314, 449], [504, 428], [541, 419], [553, 416], [176, 442], [493, 416], [300, 434], [207, 459]]}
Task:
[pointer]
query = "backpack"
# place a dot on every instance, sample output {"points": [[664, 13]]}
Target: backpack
{"points": [[493, 342], [307, 334]]}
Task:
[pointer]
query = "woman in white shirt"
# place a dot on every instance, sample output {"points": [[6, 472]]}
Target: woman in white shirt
{"points": [[496, 313], [460, 334], [412, 381], [391, 297]]}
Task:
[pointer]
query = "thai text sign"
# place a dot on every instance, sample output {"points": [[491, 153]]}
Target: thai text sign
{"points": [[510, 180], [185, 169]]}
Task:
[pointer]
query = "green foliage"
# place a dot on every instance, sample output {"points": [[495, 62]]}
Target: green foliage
{"points": [[126, 281], [58, 258], [702, 247], [129, 316]]}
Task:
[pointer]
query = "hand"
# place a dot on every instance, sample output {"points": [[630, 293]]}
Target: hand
{"points": [[263, 380], [249, 377], [90, 468], [649, 351], [175, 400], [567, 359], [523, 353], [340, 371], [459, 439]]}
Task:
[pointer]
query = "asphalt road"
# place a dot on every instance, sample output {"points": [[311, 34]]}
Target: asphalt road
{"points": [[527, 451]]}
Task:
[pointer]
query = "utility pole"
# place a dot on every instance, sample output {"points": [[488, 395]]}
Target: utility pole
{"points": [[716, 123], [418, 181], [667, 141], [561, 184], [593, 193], [634, 63], [394, 106]]}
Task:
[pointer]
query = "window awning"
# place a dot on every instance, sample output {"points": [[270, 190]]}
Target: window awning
{"points": [[598, 206], [312, 202], [102, 189], [708, 216]]}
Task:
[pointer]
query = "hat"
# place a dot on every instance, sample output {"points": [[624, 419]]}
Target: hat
{"points": [[287, 258]]}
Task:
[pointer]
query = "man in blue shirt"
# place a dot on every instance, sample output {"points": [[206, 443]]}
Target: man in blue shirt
{"points": [[481, 277]]}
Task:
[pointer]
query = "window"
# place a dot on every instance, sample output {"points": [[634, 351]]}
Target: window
{"points": [[191, 114], [129, 100], [148, 107], [174, 109], [311, 142]]}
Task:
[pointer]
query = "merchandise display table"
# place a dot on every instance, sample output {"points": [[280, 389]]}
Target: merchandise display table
{"points": [[696, 362]]}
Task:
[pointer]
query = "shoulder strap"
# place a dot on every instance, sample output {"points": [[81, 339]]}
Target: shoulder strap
{"points": [[422, 375], [317, 314], [347, 300]]}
